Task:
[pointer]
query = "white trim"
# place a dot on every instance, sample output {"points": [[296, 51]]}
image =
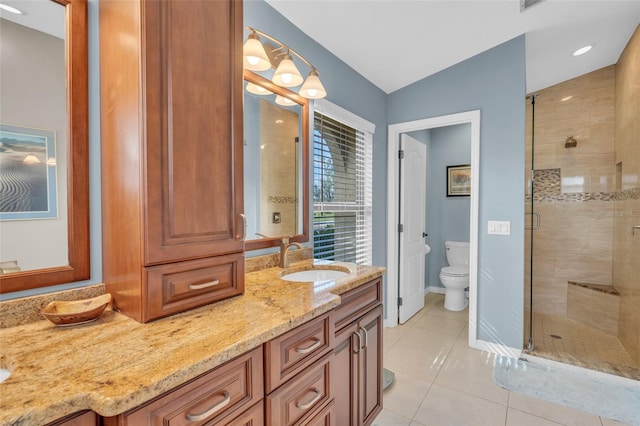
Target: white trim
{"points": [[496, 348], [433, 289], [336, 112], [472, 117]]}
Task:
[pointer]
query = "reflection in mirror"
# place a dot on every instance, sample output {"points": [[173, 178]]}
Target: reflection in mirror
{"points": [[33, 138], [44, 173], [275, 163]]}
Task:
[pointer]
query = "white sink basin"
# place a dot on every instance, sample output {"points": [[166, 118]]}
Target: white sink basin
{"points": [[4, 374], [313, 275]]}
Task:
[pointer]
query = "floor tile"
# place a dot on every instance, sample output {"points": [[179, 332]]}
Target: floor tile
{"points": [[444, 406], [391, 336], [609, 422], [519, 418], [449, 326], [405, 395], [427, 340], [389, 418], [471, 371], [421, 364], [550, 411]]}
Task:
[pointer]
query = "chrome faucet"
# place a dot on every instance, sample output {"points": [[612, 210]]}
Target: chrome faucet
{"points": [[285, 246]]}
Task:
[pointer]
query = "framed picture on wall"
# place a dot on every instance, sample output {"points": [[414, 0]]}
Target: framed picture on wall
{"points": [[27, 173], [459, 180]]}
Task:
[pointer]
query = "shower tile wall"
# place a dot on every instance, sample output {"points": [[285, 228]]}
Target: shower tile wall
{"points": [[626, 211], [574, 198]]}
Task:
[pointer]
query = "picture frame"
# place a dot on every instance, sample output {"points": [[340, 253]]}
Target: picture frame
{"points": [[28, 186], [459, 180]]}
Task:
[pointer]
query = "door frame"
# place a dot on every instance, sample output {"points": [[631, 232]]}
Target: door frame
{"points": [[394, 131]]}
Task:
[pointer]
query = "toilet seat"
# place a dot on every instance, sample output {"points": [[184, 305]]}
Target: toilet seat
{"points": [[455, 271]]}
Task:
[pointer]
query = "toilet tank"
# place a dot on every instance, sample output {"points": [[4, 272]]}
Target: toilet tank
{"points": [[457, 253]]}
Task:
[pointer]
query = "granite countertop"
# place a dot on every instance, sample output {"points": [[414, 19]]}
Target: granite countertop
{"points": [[115, 364]]}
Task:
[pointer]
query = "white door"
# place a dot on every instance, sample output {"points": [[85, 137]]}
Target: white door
{"points": [[413, 194]]}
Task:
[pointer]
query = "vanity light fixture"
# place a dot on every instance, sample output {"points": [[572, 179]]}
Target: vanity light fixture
{"points": [[281, 100], [582, 50], [257, 90], [259, 56], [11, 9]]}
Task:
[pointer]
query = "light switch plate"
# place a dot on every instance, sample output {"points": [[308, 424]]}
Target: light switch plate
{"points": [[498, 227]]}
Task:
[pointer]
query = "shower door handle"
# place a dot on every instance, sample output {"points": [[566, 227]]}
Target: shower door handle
{"points": [[633, 229], [536, 224]]}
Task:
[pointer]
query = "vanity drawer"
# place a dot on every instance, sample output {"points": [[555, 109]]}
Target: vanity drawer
{"points": [[290, 353], [180, 286], [326, 417], [360, 299], [299, 400], [217, 397]]}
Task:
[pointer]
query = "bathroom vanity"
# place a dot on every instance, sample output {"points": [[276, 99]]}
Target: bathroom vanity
{"points": [[283, 353]]}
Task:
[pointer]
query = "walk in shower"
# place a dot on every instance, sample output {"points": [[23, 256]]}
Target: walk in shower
{"points": [[582, 195]]}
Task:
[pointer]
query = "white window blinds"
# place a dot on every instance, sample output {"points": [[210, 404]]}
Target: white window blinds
{"points": [[342, 191]]}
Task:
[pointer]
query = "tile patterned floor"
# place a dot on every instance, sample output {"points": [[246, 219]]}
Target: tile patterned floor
{"points": [[441, 381], [570, 341]]}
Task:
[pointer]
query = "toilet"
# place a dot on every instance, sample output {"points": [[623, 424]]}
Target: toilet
{"points": [[455, 277]]}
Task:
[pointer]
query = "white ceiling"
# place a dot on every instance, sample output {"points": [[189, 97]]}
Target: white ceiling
{"points": [[41, 15], [394, 43]]}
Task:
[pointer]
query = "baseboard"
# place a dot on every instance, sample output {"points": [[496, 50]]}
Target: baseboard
{"points": [[496, 348]]}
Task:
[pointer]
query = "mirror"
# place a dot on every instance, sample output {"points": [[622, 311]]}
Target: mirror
{"points": [[46, 197], [276, 163]]}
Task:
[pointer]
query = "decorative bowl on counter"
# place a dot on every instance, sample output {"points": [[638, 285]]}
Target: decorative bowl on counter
{"points": [[75, 312]]}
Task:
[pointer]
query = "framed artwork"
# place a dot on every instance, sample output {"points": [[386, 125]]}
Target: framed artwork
{"points": [[28, 188], [459, 180]]}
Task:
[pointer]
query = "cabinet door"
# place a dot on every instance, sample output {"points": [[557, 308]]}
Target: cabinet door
{"points": [[193, 143], [370, 366], [345, 375]]}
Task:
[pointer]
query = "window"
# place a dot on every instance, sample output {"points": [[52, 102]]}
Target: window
{"points": [[342, 188]]}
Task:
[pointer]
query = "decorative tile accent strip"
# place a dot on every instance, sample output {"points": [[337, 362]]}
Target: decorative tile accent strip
{"points": [[627, 194], [547, 182], [281, 199], [573, 196]]}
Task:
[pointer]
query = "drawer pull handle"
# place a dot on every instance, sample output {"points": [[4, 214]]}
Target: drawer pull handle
{"points": [[366, 337], [197, 417], [203, 285], [359, 346], [309, 348], [310, 403]]}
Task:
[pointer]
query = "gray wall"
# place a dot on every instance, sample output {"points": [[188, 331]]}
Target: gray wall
{"points": [[447, 217], [494, 83]]}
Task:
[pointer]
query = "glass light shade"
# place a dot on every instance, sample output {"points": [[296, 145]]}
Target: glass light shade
{"points": [[257, 90], [255, 57], [281, 100], [312, 87], [287, 75]]}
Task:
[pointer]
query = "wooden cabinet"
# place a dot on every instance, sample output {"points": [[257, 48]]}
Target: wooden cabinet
{"points": [[299, 375], [229, 394], [84, 418], [357, 382], [171, 120]]}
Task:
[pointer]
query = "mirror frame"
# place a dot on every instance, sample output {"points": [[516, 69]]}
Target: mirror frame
{"points": [[304, 103], [78, 162]]}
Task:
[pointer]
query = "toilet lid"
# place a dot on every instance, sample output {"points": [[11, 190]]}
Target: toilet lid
{"points": [[456, 271]]}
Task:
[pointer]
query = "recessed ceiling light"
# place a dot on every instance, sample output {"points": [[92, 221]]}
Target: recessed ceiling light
{"points": [[11, 9], [582, 51]]}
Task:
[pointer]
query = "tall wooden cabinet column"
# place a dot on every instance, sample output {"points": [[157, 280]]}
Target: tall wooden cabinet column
{"points": [[171, 119]]}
